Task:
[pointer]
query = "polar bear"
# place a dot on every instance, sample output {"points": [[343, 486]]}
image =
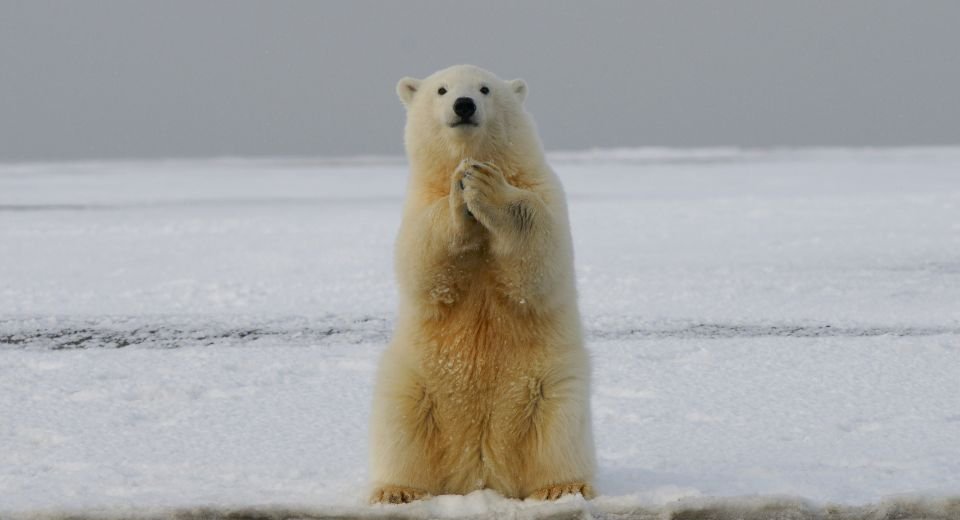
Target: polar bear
{"points": [[485, 383]]}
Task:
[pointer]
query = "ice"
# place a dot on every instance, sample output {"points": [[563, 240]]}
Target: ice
{"points": [[200, 337]]}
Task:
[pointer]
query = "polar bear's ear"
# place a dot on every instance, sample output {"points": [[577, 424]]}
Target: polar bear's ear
{"points": [[519, 88], [406, 88]]}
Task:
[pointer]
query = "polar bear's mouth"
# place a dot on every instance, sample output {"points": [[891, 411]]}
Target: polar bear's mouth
{"points": [[464, 122]]}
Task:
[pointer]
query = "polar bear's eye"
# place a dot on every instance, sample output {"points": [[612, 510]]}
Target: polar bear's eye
{"points": [[442, 91], [484, 90]]}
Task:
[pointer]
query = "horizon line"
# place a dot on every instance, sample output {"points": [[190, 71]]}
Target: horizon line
{"points": [[651, 154]]}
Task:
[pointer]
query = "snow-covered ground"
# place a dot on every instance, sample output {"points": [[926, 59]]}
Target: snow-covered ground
{"points": [[774, 323]]}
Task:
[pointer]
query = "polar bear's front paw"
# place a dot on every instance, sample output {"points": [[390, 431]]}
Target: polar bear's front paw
{"points": [[397, 495], [485, 190], [560, 490], [458, 207]]}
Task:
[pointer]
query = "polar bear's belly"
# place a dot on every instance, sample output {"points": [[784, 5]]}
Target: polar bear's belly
{"points": [[483, 366]]}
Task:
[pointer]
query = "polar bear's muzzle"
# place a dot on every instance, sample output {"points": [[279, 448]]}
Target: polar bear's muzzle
{"points": [[465, 108]]}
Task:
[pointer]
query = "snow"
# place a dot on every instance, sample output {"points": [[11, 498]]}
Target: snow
{"points": [[765, 323]]}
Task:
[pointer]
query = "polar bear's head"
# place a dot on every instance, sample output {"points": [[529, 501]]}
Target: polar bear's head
{"points": [[462, 108]]}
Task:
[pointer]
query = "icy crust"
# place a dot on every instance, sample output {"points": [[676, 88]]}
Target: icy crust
{"points": [[482, 505]]}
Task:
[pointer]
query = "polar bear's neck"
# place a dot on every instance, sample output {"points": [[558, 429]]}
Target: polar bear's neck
{"points": [[433, 161], [432, 174]]}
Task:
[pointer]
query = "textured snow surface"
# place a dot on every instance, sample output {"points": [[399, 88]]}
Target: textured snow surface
{"points": [[777, 324]]}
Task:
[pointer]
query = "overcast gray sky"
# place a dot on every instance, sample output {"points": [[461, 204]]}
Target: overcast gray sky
{"points": [[137, 79]]}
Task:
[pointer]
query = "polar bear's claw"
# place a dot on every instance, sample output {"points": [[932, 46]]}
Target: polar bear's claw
{"points": [[397, 495], [560, 490]]}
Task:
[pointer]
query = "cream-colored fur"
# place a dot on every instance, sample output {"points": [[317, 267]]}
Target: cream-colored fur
{"points": [[486, 381]]}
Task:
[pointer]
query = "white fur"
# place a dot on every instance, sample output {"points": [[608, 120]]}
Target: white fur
{"points": [[486, 381]]}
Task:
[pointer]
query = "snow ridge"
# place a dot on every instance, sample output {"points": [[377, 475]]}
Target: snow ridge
{"points": [[483, 505]]}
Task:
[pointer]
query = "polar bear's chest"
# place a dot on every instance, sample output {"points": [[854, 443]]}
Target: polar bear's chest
{"points": [[468, 282]]}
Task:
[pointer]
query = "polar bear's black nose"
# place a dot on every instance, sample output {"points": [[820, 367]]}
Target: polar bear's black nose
{"points": [[464, 107]]}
